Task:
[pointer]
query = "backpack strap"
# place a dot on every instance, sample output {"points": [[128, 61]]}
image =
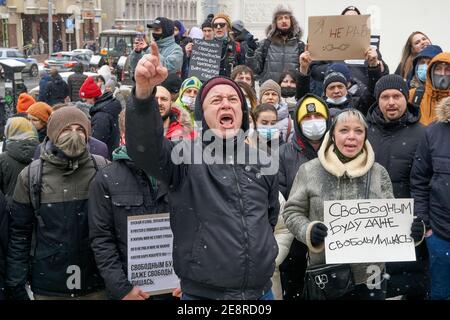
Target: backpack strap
{"points": [[418, 95], [35, 184], [98, 161]]}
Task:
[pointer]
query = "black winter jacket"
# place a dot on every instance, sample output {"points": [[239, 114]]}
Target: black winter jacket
{"points": [[395, 144], [17, 156], [222, 215], [105, 120], [3, 243], [62, 249], [56, 90], [430, 176], [75, 81], [118, 191]]}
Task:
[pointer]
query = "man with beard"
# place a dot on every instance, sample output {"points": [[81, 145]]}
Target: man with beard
{"points": [[281, 49], [174, 126]]}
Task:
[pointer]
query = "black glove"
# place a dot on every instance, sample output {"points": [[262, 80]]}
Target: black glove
{"points": [[318, 234], [417, 229], [17, 293]]}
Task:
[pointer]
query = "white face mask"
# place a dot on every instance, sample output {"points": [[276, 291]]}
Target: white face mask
{"points": [[337, 101], [314, 129], [190, 102]]}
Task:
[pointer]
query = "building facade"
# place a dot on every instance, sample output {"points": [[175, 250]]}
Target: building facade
{"points": [[132, 14], [75, 22]]}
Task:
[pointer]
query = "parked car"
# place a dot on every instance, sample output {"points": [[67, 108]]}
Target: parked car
{"points": [[31, 63], [64, 61]]}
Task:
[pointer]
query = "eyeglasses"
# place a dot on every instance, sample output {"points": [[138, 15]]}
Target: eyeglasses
{"points": [[219, 25]]}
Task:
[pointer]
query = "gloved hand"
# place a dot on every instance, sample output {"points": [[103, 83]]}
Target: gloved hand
{"points": [[252, 44], [318, 234], [417, 229]]}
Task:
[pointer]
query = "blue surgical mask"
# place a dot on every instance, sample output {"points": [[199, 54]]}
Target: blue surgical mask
{"points": [[268, 132], [422, 72]]}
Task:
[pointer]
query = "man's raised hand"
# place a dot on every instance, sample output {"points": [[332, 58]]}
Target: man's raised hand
{"points": [[149, 73]]}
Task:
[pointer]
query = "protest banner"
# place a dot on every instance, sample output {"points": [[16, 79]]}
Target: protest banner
{"points": [[374, 43], [373, 230], [205, 59], [150, 253], [338, 37]]}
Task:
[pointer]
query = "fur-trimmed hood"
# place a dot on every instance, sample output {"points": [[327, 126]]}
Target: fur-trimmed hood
{"points": [[443, 110], [273, 33], [353, 169]]}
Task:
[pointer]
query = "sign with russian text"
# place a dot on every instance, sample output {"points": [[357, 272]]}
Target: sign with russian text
{"points": [[373, 230], [205, 60], [338, 37], [150, 242]]}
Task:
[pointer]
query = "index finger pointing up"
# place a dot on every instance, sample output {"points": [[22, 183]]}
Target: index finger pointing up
{"points": [[155, 50]]}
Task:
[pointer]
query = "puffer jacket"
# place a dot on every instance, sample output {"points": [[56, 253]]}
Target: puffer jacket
{"points": [[430, 174], [119, 190], [105, 120], [281, 54], [224, 248], [62, 237], [56, 90], [327, 178], [75, 81], [17, 155], [431, 96], [394, 144]]}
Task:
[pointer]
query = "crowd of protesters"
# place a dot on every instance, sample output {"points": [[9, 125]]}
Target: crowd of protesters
{"points": [[82, 158]]}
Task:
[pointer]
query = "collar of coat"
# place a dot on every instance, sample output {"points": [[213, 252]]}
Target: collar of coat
{"points": [[352, 169]]}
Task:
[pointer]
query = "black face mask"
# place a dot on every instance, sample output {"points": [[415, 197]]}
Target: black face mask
{"points": [[288, 92], [157, 37]]}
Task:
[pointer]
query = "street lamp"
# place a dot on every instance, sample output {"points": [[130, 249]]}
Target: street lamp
{"points": [[50, 27]]}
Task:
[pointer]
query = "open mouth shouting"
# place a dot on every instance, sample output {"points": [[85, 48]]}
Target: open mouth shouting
{"points": [[226, 120]]}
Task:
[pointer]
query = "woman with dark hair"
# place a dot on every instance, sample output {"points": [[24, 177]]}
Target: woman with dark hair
{"points": [[417, 41], [265, 132], [288, 84]]}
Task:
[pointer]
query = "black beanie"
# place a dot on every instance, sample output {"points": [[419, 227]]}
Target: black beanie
{"points": [[165, 24], [334, 77], [391, 81]]}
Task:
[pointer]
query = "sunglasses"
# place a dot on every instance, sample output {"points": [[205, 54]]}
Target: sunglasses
{"points": [[219, 25]]}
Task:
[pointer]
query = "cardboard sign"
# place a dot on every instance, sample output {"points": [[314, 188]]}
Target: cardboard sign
{"points": [[373, 230], [338, 37], [205, 59], [374, 43], [150, 253]]}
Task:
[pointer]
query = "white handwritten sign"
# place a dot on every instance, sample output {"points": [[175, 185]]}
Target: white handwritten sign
{"points": [[338, 37], [150, 253], [373, 230], [205, 60]]}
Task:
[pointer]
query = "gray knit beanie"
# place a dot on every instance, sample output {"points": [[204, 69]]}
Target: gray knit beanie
{"points": [[269, 85]]}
